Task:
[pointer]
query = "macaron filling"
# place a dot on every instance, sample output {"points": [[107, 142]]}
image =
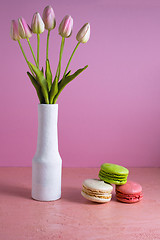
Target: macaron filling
{"points": [[114, 169], [129, 197], [96, 194], [113, 174], [110, 176], [113, 180]]}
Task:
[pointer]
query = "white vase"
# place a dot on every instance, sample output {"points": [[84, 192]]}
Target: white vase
{"points": [[47, 163]]}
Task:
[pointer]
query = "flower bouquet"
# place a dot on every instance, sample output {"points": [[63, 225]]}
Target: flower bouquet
{"points": [[47, 163], [47, 89]]}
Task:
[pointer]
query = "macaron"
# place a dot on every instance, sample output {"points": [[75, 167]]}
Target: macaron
{"points": [[112, 173], [131, 192], [96, 190]]}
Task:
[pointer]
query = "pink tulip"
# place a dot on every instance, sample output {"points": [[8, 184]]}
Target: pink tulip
{"points": [[24, 29], [84, 33], [65, 27], [49, 18], [37, 24], [14, 33]]}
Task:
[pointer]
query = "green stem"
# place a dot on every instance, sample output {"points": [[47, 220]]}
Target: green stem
{"points": [[47, 44], [71, 59], [23, 51], [60, 58], [25, 57], [32, 52], [38, 40]]}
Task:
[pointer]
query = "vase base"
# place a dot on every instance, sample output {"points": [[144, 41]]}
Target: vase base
{"points": [[45, 200], [46, 193]]}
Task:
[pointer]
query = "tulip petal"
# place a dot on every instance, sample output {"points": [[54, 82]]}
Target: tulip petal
{"points": [[37, 24], [24, 29], [66, 26], [84, 33], [14, 33], [49, 18]]}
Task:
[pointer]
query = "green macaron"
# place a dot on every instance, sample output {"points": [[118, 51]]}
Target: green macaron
{"points": [[112, 173]]}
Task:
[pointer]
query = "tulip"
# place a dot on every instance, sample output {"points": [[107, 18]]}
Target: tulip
{"points": [[25, 32], [84, 33], [14, 33], [49, 18], [82, 37], [50, 23], [65, 27], [24, 29], [37, 24], [37, 27]]}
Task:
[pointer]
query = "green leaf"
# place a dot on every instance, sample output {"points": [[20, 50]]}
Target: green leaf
{"points": [[42, 81], [68, 73], [54, 89], [48, 75], [67, 80], [42, 70], [37, 87]]}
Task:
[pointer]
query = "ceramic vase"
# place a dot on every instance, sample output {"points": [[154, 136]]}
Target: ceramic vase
{"points": [[47, 163]]}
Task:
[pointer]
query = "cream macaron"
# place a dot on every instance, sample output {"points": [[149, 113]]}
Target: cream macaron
{"points": [[96, 190]]}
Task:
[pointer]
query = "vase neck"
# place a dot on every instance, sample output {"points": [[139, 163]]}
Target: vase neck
{"points": [[47, 142]]}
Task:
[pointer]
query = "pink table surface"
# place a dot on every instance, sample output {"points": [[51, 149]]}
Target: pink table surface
{"points": [[72, 217]]}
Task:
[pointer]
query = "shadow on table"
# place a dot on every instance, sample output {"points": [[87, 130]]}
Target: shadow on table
{"points": [[17, 191], [72, 194]]}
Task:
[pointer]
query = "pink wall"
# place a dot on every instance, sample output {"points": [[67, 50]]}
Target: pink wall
{"points": [[111, 113]]}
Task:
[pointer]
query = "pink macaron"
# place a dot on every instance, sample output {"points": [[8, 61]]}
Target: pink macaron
{"points": [[131, 192]]}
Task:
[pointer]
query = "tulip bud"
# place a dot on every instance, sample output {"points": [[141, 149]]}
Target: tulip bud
{"points": [[49, 18], [65, 27], [84, 33], [24, 29], [14, 33], [37, 24]]}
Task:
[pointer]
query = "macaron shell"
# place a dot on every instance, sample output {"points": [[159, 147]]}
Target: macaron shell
{"points": [[97, 185], [114, 169], [96, 199], [129, 188]]}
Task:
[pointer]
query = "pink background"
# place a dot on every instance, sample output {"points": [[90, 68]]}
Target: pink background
{"points": [[111, 113]]}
